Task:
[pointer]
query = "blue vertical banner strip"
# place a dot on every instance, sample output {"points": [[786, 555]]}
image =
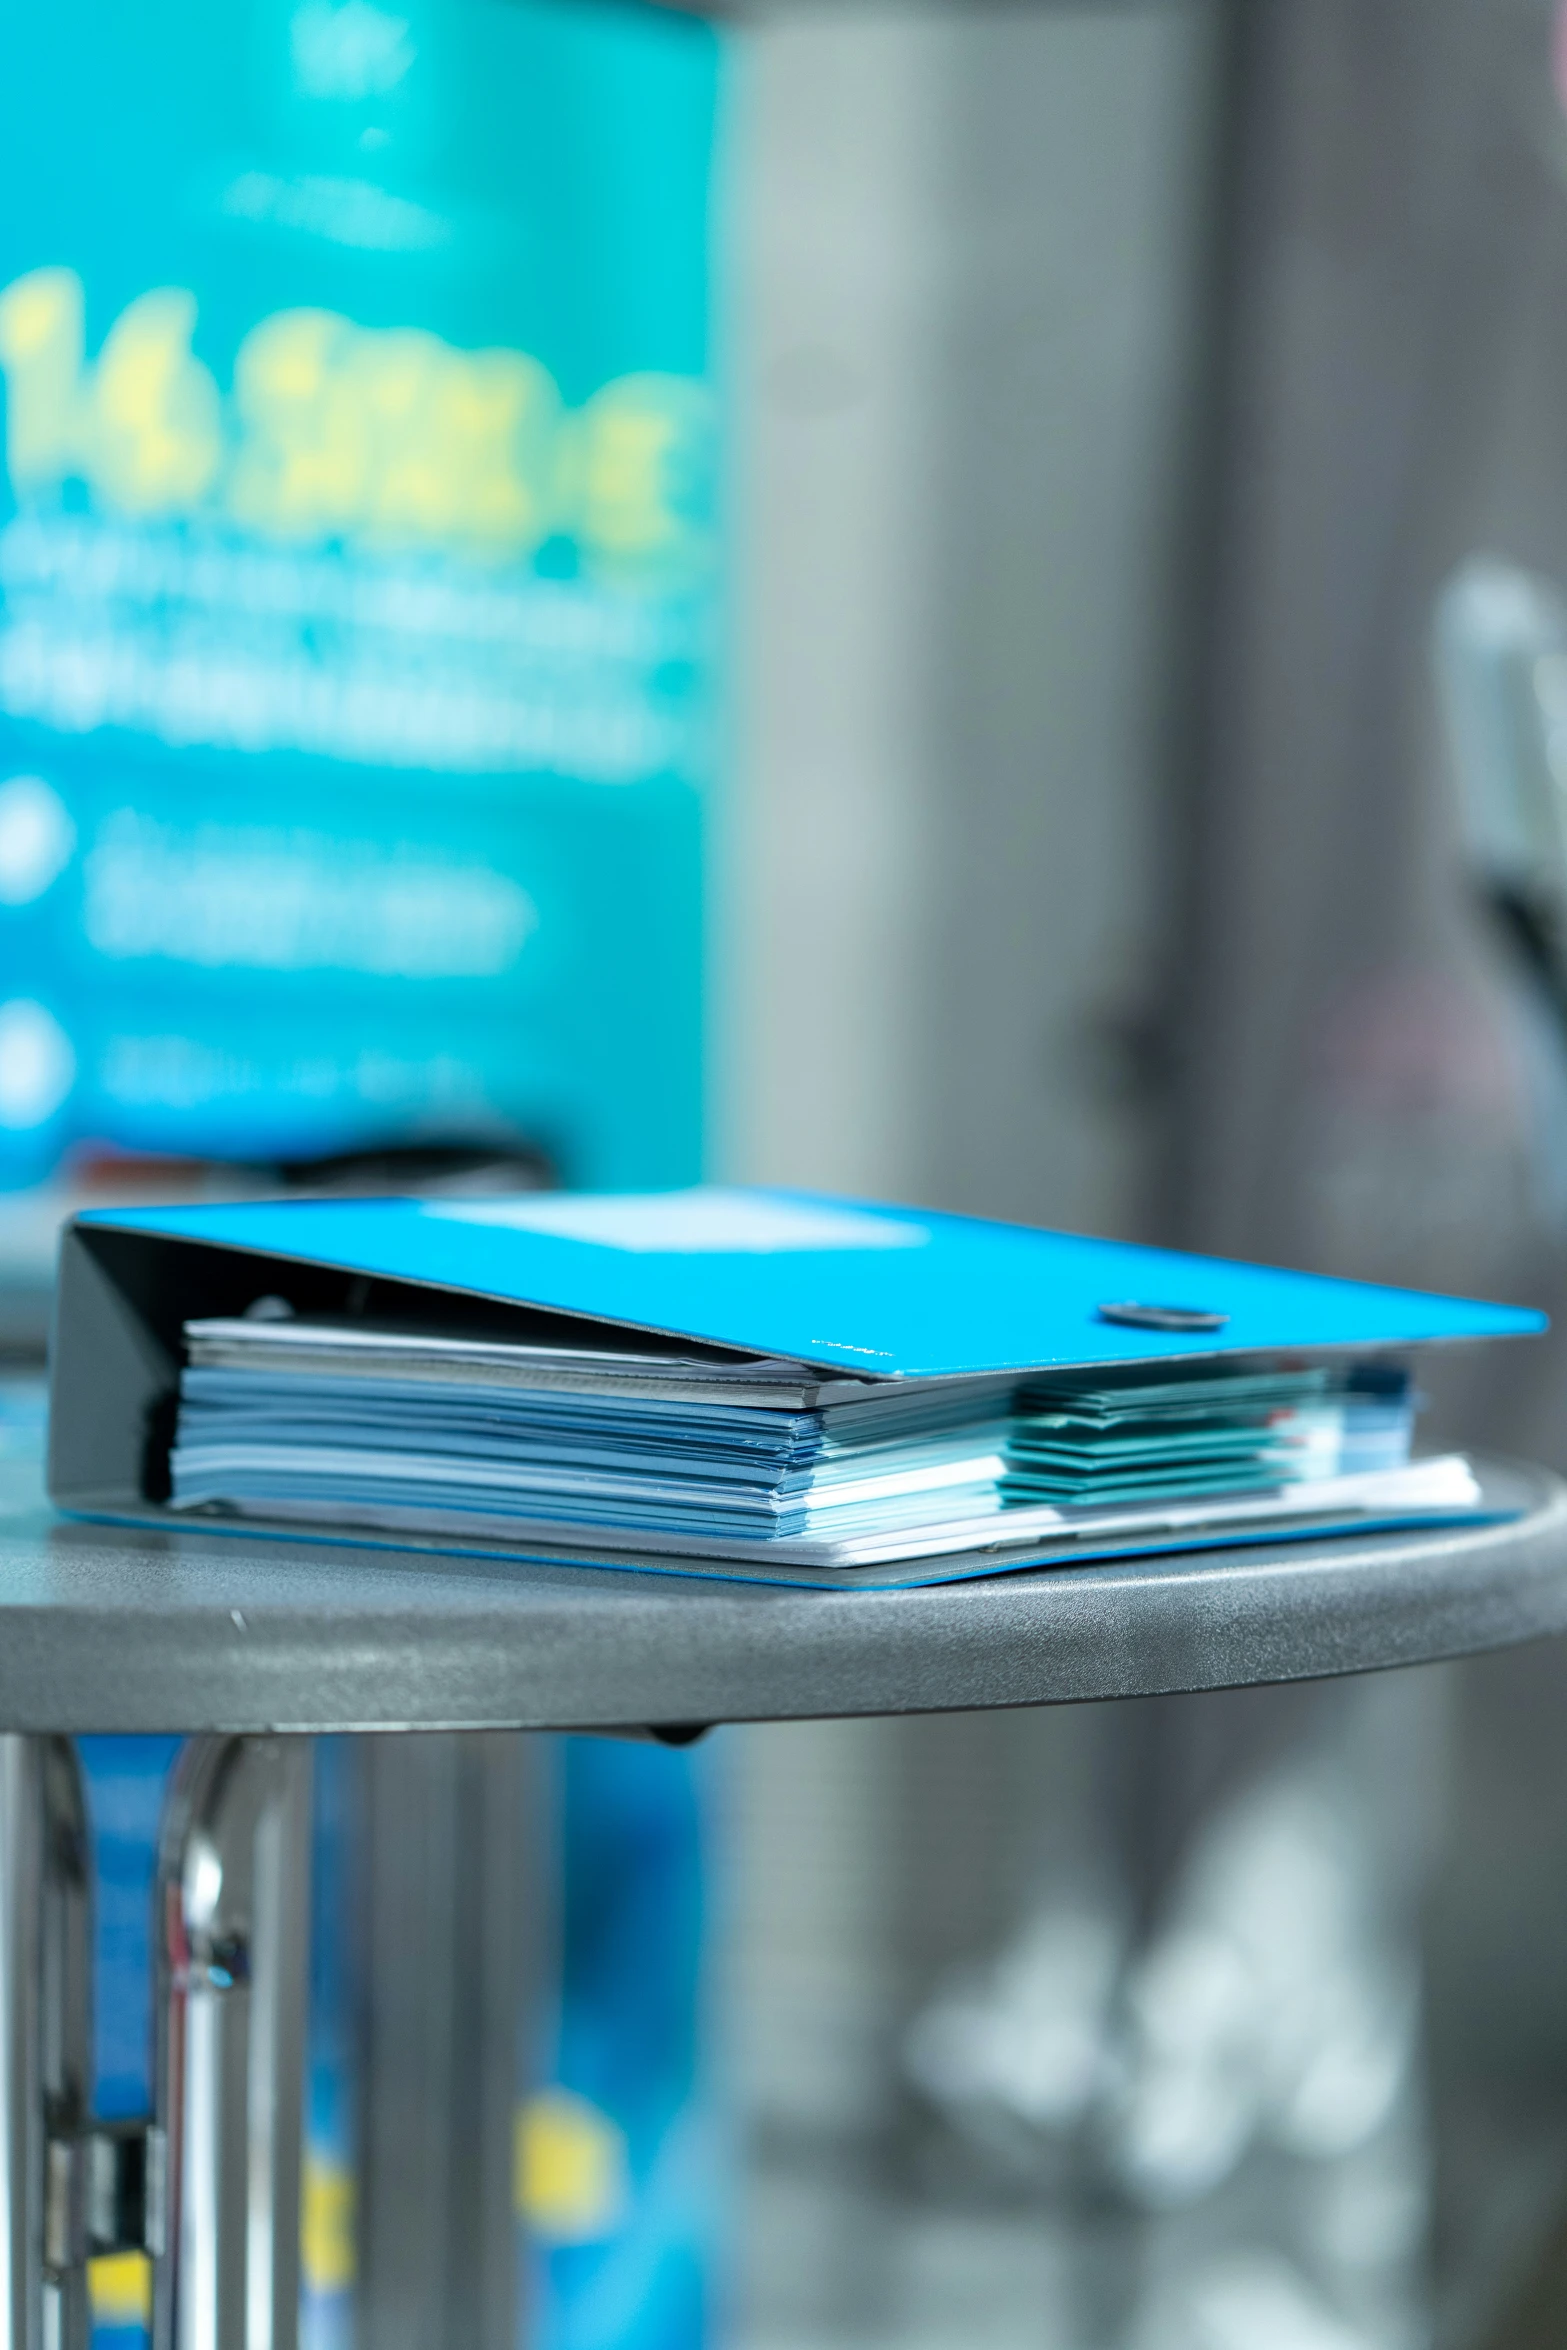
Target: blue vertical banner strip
{"points": [[125, 1781], [618, 2152], [328, 2214]]}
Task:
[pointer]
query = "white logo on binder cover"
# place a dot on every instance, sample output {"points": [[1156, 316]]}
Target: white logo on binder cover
{"points": [[705, 1221]]}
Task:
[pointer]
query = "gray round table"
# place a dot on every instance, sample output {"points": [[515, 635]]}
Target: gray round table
{"points": [[103, 1628]]}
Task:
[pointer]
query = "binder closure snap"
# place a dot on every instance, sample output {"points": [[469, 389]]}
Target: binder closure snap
{"points": [[1140, 1317]]}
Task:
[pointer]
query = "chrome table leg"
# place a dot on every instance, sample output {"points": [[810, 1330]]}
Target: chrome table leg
{"points": [[44, 2044], [232, 1924]]}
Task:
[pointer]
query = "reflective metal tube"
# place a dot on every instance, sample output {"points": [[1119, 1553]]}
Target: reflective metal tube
{"points": [[232, 1922], [44, 2043]]}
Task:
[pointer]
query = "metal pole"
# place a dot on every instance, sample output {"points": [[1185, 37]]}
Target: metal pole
{"points": [[233, 1932], [44, 2044], [449, 1947]]}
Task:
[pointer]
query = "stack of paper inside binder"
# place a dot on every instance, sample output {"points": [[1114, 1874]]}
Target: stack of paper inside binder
{"points": [[695, 1450]]}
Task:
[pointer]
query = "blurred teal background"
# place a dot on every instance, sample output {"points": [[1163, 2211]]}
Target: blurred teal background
{"points": [[358, 564]]}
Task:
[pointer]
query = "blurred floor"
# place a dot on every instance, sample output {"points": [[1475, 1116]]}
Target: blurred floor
{"points": [[843, 2242], [1258, 1997]]}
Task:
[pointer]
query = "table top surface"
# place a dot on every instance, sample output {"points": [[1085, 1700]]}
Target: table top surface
{"points": [[109, 1628]]}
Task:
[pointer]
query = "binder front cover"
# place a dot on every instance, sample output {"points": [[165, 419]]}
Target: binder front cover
{"points": [[892, 1291]]}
